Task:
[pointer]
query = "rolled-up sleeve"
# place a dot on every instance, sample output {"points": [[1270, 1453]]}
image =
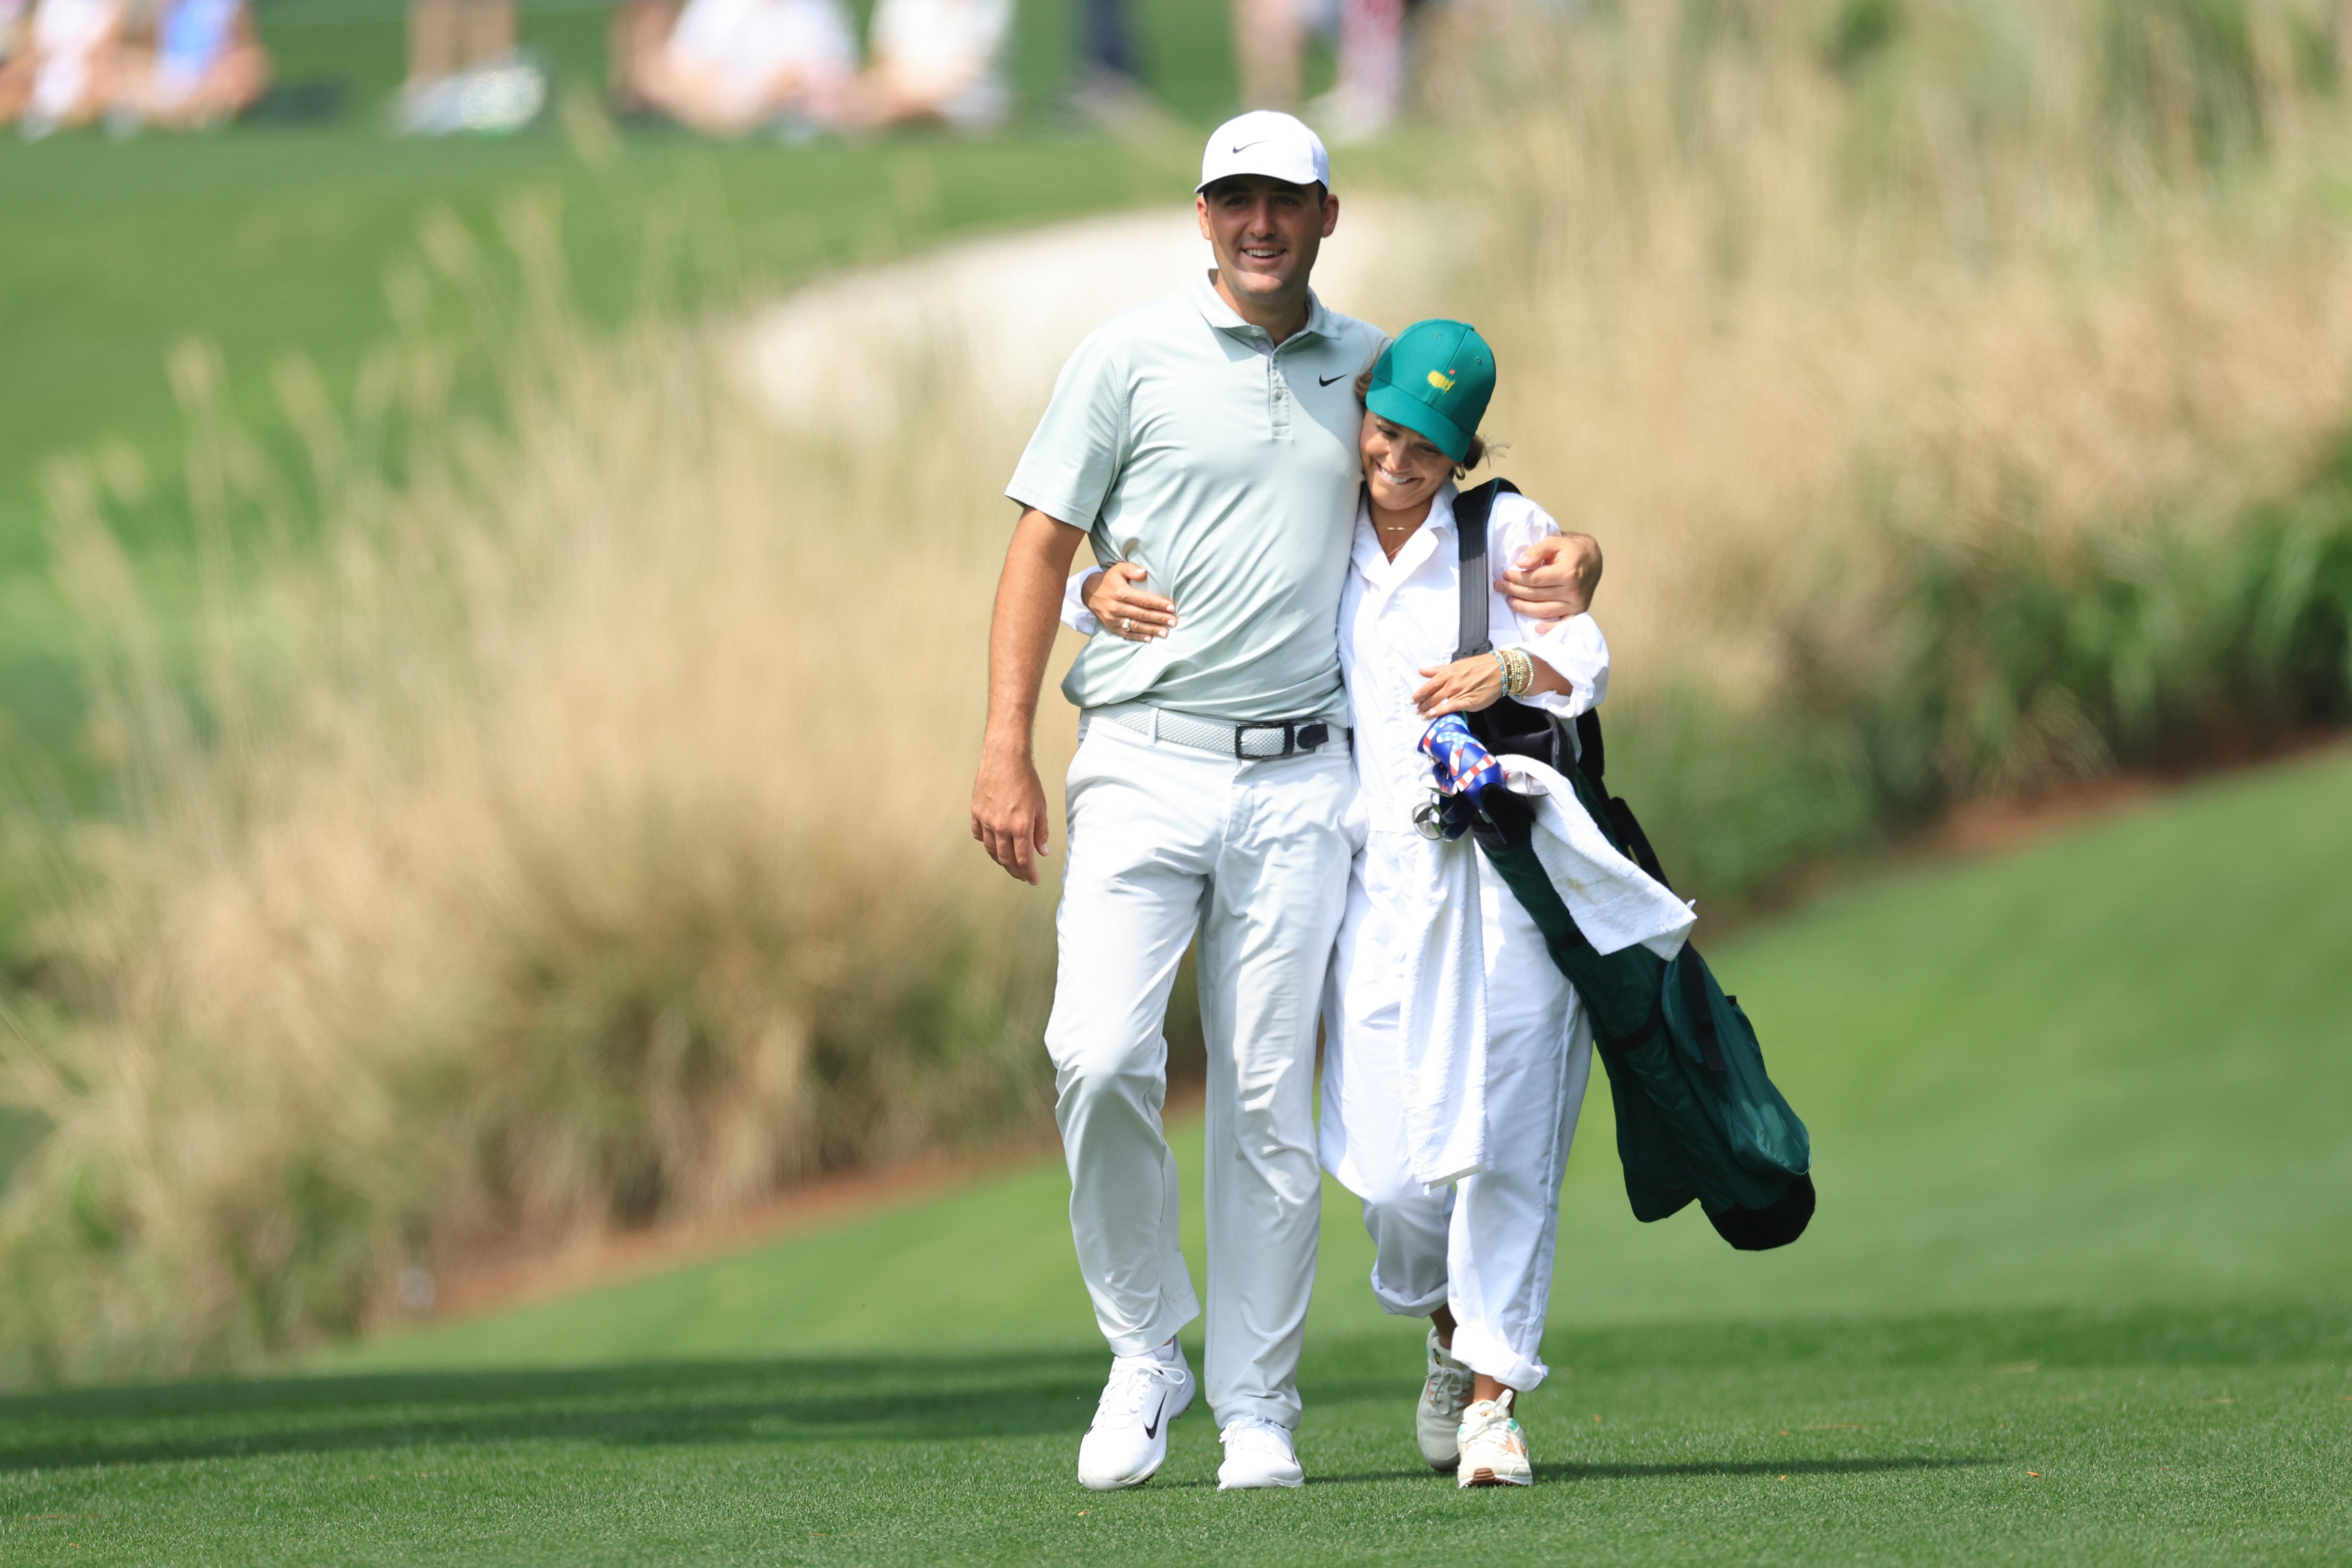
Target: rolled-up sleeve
{"points": [[1574, 648], [1081, 444]]}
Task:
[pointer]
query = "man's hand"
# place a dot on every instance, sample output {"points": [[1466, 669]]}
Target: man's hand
{"points": [[1008, 812], [1465, 686], [1553, 578], [1126, 611]]}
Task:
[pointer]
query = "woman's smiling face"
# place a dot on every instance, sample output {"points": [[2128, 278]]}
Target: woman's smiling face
{"points": [[1402, 466]]}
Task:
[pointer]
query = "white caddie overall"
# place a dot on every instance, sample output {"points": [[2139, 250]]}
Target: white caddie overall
{"points": [[1480, 1244]]}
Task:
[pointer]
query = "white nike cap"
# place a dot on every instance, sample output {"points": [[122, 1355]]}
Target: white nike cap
{"points": [[1265, 142]]}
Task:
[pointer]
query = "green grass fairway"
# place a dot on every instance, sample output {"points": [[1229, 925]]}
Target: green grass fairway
{"points": [[2170, 1437], [2077, 1293]]}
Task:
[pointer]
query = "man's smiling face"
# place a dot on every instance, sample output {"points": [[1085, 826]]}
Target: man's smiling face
{"points": [[1265, 232]]}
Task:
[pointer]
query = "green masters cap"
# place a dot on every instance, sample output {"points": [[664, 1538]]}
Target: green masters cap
{"points": [[1436, 381]]}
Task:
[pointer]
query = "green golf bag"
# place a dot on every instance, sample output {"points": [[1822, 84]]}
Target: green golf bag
{"points": [[1697, 1118]]}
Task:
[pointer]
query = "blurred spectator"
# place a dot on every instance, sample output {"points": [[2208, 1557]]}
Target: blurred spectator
{"points": [[64, 74], [465, 72], [1110, 79], [639, 31], [1363, 102], [730, 65], [14, 15], [1269, 37], [938, 59], [205, 66]]}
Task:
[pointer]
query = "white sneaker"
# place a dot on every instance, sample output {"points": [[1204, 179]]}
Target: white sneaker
{"points": [[1437, 1420], [1129, 1440], [1258, 1453], [1494, 1449]]}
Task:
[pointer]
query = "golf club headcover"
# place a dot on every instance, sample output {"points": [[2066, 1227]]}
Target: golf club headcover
{"points": [[1461, 764]]}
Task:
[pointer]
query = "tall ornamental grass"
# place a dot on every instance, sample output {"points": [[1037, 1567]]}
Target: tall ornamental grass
{"points": [[541, 824]]}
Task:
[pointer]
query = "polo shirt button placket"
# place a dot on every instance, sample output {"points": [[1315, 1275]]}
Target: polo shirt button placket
{"points": [[1277, 393]]}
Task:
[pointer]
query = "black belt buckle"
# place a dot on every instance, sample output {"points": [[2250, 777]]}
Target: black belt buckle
{"points": [[1296, 738]]}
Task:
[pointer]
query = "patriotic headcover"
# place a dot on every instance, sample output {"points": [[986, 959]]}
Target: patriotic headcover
{"points": [[1462, 766]]}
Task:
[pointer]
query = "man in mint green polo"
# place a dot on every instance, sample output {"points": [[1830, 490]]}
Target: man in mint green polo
{"points": [[1209, 439]]}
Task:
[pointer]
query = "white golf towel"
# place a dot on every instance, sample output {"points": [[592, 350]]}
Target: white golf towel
{"points": [[1616, 904]]}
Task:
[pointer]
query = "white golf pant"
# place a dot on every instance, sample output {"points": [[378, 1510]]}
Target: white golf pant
{"points": [[1164, 839], [1483, 1247]]}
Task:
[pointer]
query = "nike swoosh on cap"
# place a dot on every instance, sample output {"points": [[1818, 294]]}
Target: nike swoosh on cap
{"points": [[1244, 146]]}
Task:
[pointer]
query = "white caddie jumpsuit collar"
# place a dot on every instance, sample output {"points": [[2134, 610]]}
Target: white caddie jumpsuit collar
{"points": [[1382, 575]]}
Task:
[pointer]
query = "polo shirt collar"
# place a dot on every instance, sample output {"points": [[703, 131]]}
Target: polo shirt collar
{"points": [[1221, 316]]}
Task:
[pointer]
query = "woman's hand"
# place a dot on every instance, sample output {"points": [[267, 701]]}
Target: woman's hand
{"points": [[1125, 610], [1465, 686]]}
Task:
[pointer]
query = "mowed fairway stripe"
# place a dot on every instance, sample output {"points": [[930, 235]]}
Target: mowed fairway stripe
{"points": [[2076, 1294]]}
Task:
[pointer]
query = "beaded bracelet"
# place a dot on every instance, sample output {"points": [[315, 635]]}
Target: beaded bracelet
{"points": [[1518, 671]]}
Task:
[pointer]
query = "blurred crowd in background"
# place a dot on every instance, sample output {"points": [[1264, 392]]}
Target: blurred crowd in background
{"points": [[727, 67]]}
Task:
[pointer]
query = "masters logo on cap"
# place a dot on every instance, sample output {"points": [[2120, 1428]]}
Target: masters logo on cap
{"points": [[1269, 142]]}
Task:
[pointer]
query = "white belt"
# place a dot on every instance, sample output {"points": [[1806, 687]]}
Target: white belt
{"points": [[1251, 743]]}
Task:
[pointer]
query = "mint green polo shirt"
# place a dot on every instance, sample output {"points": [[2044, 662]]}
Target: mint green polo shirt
{"points": [[1231, 462]]}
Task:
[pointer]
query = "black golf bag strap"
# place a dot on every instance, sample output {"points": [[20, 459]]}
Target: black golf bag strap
{"points": [[1590, 755], [1471, 510]]}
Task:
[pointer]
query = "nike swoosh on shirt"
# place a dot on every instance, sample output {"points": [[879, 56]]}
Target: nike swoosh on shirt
{"points": [[1151, 1431], [1327, 380]]}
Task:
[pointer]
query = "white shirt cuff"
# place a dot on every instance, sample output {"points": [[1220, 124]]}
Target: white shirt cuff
{"points": [[1074, 614], [1576, 652]]}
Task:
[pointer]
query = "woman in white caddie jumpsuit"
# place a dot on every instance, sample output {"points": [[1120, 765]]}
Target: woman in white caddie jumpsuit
{"points": [[1474, 1255]]}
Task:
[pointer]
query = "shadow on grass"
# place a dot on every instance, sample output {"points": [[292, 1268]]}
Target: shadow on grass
{"points": [[1865, 1466], [1574, 1472], [802, 1399], [1025, 1392], [2185, 1333]]}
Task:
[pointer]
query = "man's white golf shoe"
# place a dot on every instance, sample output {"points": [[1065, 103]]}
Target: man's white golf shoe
{"points": [[1437, 1419], [1258, 1453], [1494, 1449], [1129, 1441]]}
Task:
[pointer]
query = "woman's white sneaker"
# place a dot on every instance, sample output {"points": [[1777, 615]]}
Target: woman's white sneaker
{"points": [[1437, 1420], [1258, 1453], [1129, 1441], [1494, 1449]]}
